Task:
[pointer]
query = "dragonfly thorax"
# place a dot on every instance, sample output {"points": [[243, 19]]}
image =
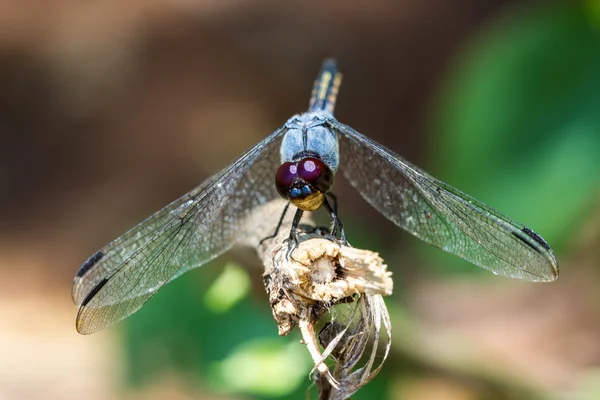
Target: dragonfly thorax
{"points": [[309, 133]]}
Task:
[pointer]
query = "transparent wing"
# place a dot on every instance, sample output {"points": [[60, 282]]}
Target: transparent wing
{"points": [[441, 215], [114, 253], [121, 277]]}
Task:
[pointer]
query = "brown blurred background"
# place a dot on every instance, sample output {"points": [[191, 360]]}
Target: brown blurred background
{"points": [[109, 110]]}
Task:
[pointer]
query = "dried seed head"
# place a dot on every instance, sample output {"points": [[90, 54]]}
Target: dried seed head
{"points": [[321, 274]]}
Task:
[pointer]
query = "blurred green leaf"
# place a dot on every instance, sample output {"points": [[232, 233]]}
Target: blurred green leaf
{"points": [[268, 367], [520, 119], [518, 125], [230, 287], [175, 330]]}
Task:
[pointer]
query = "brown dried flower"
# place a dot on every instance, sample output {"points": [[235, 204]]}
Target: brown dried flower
{"points": [[323, 278]]}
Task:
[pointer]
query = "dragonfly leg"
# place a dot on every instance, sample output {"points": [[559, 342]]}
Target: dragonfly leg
{"points": [[337, 228], [278, 225], [334, 200], [293, 239]]}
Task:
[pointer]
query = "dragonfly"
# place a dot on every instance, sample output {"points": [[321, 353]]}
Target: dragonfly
{"points": [[298, 163]]}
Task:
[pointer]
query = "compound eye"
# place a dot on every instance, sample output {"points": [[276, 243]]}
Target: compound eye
{"points": [[315, 172], [286, 174]]}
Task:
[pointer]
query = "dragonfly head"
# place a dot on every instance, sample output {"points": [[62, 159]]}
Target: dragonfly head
{"points": [[304, 183]]}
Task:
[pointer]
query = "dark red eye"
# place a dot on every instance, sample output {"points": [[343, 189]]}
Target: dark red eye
{"points": [[285, 176], [315, 172]]}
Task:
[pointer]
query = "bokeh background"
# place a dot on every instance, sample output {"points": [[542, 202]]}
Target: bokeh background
{"points": [[109, 110]]}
